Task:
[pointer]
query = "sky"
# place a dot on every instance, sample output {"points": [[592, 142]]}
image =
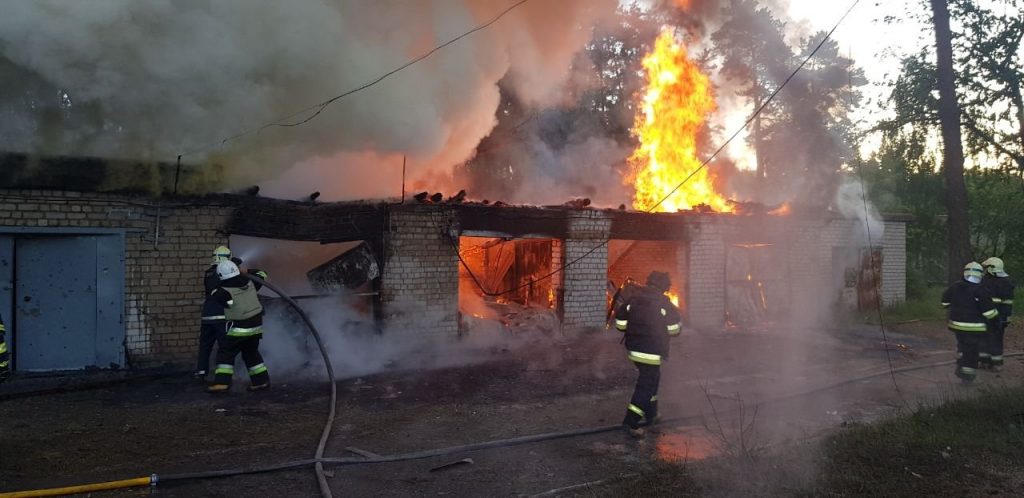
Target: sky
{"points": [[875, 45]]}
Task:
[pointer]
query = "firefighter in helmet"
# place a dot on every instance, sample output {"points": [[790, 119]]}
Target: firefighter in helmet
{"points": [[212, 321], [5, 356], [648, 319], [999, 285], [244, 315], [970, 308]]}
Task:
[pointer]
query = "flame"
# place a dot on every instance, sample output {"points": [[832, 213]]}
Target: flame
{"points": [[675, 105], [674, 297]]}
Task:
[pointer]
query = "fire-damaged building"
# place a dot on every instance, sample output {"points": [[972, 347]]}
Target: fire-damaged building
{"points": [[96, 274]]}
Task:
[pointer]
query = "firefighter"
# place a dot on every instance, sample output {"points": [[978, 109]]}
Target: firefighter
{"points": [[970, 308], [244, 315], [212, 323], [999, 285], [647, 318], [5, 356]]}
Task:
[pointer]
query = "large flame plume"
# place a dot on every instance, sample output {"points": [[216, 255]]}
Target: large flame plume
{"points": [[676, 102]]}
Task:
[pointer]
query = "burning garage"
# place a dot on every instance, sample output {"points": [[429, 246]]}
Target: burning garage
{"points": [[105, 276], [131, 239]]}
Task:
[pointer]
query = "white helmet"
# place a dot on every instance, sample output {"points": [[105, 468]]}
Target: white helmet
{"points": [[972, 272], [995, 266], [227, 269]]}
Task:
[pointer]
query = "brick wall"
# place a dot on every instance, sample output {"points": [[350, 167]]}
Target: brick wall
{"points": [[894, 262], [812, 258], [167, 248], [419, 290], [558, 279], [585, 299], [638, 258], [706, 279]]}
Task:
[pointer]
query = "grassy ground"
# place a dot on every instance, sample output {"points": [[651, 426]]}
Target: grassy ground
{"points": [[925, 307], [964, 448]]}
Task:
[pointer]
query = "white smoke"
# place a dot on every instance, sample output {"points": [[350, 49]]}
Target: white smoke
{"points": [[851, 201], [356, 347], [154, 79]]}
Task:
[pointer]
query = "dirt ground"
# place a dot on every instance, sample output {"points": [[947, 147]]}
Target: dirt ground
{"points": [[726, 392]]}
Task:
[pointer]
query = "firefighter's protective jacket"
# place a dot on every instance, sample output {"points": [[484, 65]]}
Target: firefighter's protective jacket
{"points": [[1002, 290], [647, 318], [242, 308], [970, 306], [213, 310]]}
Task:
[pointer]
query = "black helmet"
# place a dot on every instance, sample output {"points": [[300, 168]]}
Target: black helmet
{"points": [[659, 280]]}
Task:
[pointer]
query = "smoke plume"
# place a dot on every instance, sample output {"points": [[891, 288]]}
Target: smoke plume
{"points": [[151, 80]]}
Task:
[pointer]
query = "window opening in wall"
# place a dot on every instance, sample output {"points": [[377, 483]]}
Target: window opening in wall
{"points": [[520, 265]]}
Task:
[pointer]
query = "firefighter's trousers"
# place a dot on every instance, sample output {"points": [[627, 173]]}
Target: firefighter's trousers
{"points": [[643, 406], [991, 351], [968, 344], [249, 347], [209, 334]]}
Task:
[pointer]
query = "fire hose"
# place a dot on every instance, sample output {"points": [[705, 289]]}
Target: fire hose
{"points": [[318, 461], [321, 479]]}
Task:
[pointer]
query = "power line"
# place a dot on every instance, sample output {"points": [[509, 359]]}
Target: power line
{"points": [[703, 164], [319, 107]]}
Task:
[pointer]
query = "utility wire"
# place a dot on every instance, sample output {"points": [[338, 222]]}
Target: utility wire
{"points": [[871, 260], [877, 287], [319, 108], [677, 187]]}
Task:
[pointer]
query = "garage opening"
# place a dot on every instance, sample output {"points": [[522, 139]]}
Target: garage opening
{"points": [[520, 272], [336, 284], [634, 260], [755, 277]]}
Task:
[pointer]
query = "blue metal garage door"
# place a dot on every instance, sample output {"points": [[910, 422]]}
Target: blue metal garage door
{"points": [[7, 286], [68, 302]]}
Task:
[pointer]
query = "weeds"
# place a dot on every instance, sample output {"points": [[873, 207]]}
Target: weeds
{"points": [[736, 439]]}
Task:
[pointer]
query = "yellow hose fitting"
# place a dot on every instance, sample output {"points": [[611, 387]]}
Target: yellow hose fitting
{"points": [[84, 488]]}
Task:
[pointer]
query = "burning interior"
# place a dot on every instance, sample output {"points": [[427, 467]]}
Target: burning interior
{"points": [[509, 280], [633, 260]]}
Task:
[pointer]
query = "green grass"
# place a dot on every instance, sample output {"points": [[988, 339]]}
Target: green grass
{"points": [[963, 448], [927, 306]]}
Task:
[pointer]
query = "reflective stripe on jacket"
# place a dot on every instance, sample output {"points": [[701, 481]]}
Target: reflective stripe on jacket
{"points": [[970, 307], [647, 318], [1002, 290]]}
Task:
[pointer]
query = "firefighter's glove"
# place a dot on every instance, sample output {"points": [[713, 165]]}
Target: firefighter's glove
{"points": [[259, 273]]}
